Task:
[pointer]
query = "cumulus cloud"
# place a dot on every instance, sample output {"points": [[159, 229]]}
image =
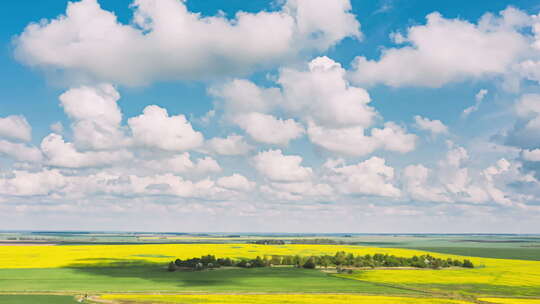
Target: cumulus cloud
{"points": [[269, 129], [354, 142], [526, 131], [25, 183], [320, 24], [479, 97], [296, 191], [19, 151], [453, 181], [236, 182], [181, 164], [57, 127], [448, 50], [319, 93], [370, 177], [416, 184], [323, 95], [15, 127], [148, 185], [531, 155], [154, 128], [338, 115], [167, 41], [59, 153], [95, 115], [243, 96], [278, 167], [435, 127], [230, 145]]}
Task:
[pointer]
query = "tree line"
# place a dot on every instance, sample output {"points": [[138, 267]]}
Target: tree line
{"points": [[339, 260]]}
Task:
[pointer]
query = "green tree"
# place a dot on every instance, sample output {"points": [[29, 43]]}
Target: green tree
{"points": [[468, 264], [310, 263], [172, 267]]}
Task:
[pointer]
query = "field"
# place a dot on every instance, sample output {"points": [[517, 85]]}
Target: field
{"points": [[279, 299], [156, 279], [41, 299], [134, 273]]}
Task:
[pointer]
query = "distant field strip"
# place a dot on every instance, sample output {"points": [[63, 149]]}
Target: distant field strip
{"points": [[37, 299], [511, 300], [276, 299], [520, 253]]}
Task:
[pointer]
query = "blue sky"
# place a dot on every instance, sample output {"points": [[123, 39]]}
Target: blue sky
{"points": [[270, 116]]}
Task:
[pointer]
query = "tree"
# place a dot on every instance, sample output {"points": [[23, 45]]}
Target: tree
{"points": [[310, 263], [468, 264], [172, 267]]}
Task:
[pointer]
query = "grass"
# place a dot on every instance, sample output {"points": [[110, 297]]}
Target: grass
{"points": [[517, 253], [277, 299], [157, 279], [511, 300], [495, 277], [41, 299]]}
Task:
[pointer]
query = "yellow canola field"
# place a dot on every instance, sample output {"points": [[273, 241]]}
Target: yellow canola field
{"points": [[501, 272], [277, 299], [96, 255], [511, 300]]}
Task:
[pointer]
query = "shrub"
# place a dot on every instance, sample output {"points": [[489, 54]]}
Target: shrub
{"points": [[310, 263], [172, 267]]}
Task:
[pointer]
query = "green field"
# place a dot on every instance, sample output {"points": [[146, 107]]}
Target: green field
{"points": [[36, 299], [520, 253], [155, 279]]}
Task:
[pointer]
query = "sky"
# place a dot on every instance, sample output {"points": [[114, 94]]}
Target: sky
{"points": [[383, 116]]}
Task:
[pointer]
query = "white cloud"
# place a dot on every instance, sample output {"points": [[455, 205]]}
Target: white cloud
{"points": [[454, 181], [322, 94], [243, 96], [166, 41], [149, 185], [370, 177], [531, 155], [436, 127], [349, 141], [59, 153], [526, 131], [96, 116], [321, 24], [479, 97], [57, 127], [236, 182], [24, 183], [15, 127], [297, 191], [181, 164], [156, 129], [278, 167], [337, 114], [448, 50], [394, 138], [268, 129], [353, 141], [230, 145], [20, 151], [416, 184]]}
